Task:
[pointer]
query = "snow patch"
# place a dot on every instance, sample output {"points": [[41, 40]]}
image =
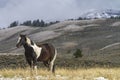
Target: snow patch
{"points": [[107, 13]]}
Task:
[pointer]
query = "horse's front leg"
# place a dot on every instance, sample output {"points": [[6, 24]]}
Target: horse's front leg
{"points": [[30, 62], [35, 66]]}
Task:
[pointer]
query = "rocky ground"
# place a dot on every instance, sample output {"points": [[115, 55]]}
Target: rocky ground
{"points": [[56, 77]]}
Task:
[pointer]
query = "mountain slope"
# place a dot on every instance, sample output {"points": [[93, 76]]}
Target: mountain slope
{"points": [[98, 39]]}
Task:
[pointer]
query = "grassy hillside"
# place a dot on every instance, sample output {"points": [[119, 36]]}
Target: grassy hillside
{"points": [[98, 39]]}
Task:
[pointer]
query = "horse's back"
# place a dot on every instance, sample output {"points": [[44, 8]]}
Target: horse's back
{"points": [[47, 52], [48, 47]]}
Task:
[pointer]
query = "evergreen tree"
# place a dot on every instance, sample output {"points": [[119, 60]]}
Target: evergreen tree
{"points": [[13, 24], [80, 18], [78, 53], [34, 23], [50, 23], [42, 23], [112, 17], [37, 23], [27, 23]]}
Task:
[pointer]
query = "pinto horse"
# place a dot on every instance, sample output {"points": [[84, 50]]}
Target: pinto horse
{"points": [[34, 53]]}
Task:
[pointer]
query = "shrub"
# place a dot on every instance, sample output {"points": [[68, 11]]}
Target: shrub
{"points": [[78, 53]]}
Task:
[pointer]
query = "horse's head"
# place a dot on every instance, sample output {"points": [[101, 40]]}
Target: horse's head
{"points": [[21, 40]]}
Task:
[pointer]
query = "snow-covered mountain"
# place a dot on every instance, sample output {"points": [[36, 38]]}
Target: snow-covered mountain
{"points": [[101, 14]]}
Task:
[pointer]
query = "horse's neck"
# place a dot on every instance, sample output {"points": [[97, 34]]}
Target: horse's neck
{"points": [[35, 48], [32, 44], [29, 43], [26, 46]]}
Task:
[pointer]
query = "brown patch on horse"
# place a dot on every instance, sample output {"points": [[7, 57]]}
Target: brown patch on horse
{"points": [[47, 52]]}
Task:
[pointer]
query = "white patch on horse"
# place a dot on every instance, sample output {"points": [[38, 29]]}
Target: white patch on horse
{"points": [[52, 62], [28, 41], [55, 55], [37, 49], [19, 39], [35, 67]]}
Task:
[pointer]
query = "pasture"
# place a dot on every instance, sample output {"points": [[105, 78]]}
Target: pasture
{"points": [[14, 67], [61, 74]]}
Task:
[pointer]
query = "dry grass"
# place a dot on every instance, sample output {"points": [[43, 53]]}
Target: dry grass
{"points": [[63, 74]]}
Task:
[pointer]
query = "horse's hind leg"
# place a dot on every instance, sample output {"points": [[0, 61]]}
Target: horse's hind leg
{"points": [[52, 66], [47, 64]]}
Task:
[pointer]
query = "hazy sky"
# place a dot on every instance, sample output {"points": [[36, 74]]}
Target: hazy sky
{"points": [[49, 10]]}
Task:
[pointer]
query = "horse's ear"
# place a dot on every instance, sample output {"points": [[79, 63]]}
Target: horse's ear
{"points": [[22, 35], [25, 35]]}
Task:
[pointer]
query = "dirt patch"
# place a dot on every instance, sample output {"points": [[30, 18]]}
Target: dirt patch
{"points": [[111, 45], [73, 28], [116, 24], [44, 35], [6, 33], [69, 44]]}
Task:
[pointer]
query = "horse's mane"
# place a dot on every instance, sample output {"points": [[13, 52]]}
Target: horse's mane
{"points": [[43, 44]]}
